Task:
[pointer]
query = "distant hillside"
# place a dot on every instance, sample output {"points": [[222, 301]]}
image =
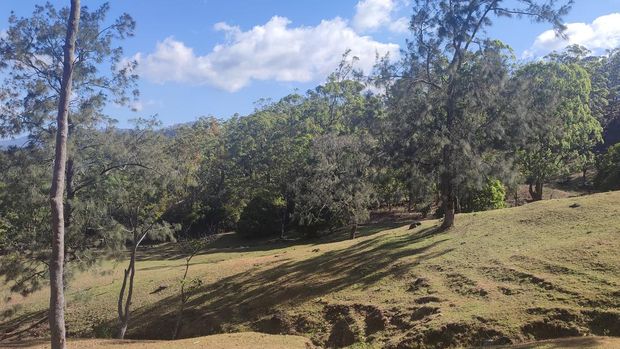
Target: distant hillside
{"points": [[544, 270]]}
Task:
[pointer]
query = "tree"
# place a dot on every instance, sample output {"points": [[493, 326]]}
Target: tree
{"points": [[556, 112], [57, 260], [335, 190], [189, 248], [31, 56], [437, 64], [479, 148], [136, 196], [25, 177], [608, 169], [262, 216]]}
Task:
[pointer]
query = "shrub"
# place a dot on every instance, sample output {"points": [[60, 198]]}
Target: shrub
{"points": [[261, 217], [608, 166], [491, 196]]}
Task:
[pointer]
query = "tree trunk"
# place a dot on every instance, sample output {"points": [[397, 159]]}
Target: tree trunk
{"points": [[536, 190], [354, 230], [517, 196], [447, 201], [70, 192], [584, 176], [177, 325], [123, 309], [57, 297], [284, 221]]}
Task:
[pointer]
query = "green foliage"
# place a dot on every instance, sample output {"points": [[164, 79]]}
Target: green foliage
{"points": [[262, 216], [31, 54], [335, 190], [491, 196], [608, 169], [561, 130]]}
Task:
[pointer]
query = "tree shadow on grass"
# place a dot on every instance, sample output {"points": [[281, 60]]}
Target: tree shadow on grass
{"points": [[20, 326], [232, 242], [246, 296]]}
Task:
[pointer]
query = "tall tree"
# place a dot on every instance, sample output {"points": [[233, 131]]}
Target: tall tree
{"points": [[556, 111], [31, 54], [444, 33], [335, 190], [57, 296]]}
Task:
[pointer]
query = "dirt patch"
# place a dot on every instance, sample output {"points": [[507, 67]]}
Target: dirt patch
{"points": [[374, 318], [548, 329], [424, 312], [400, 319], [515, 276], [454, 335], [464, 286], [419, 284], [303, 324], [342, 334], [561, 314], [603, 323], [508, 291], [428, 299], [278, 323], [334, 312]]}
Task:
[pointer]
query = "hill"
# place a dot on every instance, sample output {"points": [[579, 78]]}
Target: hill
{"points": [[544, 270]]}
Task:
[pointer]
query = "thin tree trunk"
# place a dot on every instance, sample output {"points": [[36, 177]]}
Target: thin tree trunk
{"points": [[283, 223], [354, 229], [409, 203], [177, 325], [536, 190], [517, 196], [57, 297], [129, 274], [584, 176], [447, 201]]}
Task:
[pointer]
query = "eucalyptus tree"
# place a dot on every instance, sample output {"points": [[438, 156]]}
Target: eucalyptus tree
{"points": [[555, 109], [446, 34]]}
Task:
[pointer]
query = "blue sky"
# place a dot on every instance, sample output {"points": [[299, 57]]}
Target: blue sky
{"points": [[208, 57]]}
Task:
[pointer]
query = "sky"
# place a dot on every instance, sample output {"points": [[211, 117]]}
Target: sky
{"points": [[216, 57]]}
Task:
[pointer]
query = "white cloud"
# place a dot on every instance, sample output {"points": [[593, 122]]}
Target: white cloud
{"points": [[136, 105], [273, 51], [603, 33], [401, 25], [372, 15]]}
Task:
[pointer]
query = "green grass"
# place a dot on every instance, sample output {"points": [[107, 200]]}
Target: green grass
{"points": [[519, 274]]}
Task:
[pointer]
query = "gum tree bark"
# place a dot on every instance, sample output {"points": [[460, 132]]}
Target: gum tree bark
{"points": [[57, 297]]}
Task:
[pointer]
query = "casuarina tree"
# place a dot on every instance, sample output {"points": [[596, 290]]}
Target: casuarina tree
{"points": [[57, 296], [445, 32]]}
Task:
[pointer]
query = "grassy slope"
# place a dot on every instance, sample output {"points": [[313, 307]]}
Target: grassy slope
{"points": [[246, 340], [531, 272]]}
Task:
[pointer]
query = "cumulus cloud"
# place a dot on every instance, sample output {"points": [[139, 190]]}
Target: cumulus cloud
{"points": [[602, 34], [273, 51], [375, 14]]}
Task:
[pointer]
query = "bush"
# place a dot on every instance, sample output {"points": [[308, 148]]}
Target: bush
{"points": [[261, 217], [608, 166], [491, 196]]}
